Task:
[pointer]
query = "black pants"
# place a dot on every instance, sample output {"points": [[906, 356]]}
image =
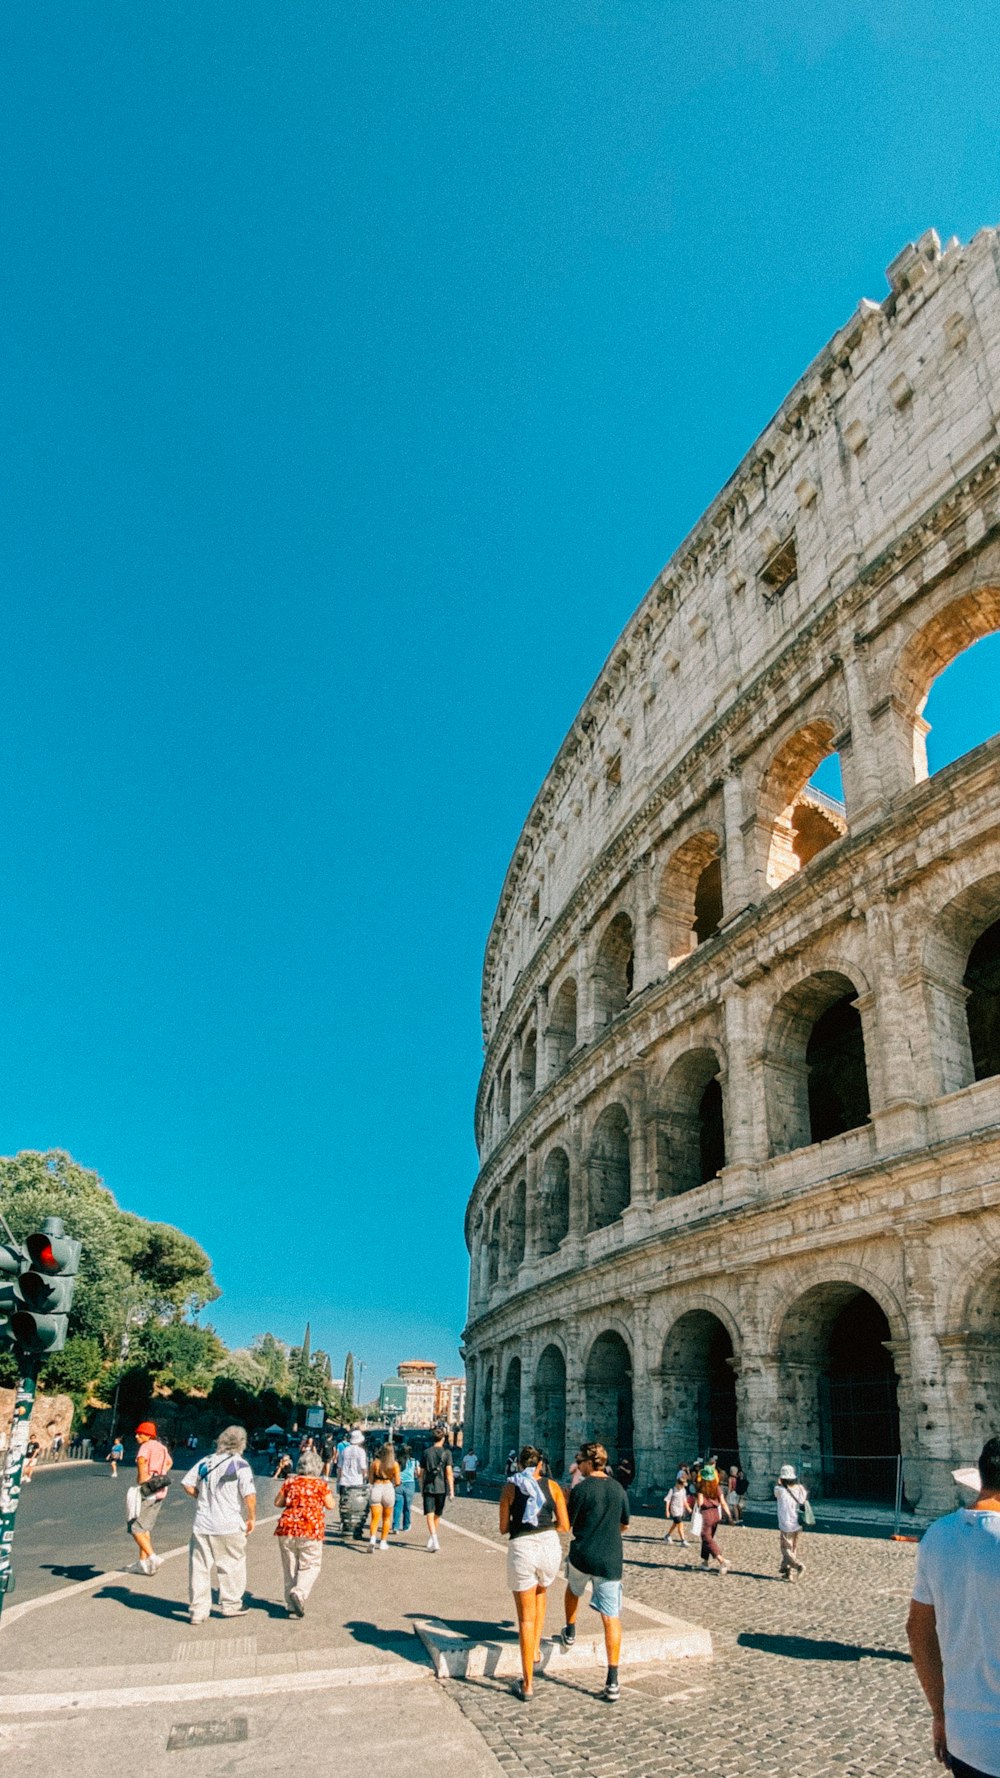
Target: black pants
{"points": [[959, 1769]]}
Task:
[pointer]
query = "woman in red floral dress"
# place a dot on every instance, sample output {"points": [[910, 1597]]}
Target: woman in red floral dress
{"points": [[305, 1498]]}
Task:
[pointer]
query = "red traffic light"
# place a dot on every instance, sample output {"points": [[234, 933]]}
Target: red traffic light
{"points": [[42, 1253]]}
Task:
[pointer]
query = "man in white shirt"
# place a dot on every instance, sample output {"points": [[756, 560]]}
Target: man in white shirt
{"points": [[470, 1464], [352, 1485], [223, 1486], [952, 1626], [791, 1498]]}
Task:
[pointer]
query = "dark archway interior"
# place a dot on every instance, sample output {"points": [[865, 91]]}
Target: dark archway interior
{"points": [[982, 979], [609, 1169], [562, 1028], [838, 1079], [550, 1408], [615, 972], [518, 1220], [859, 1416], [511, 1435], [488, 1417], [711, 1132], [608, 1388], [708, 902], [553, 1217], [700, 1389]]}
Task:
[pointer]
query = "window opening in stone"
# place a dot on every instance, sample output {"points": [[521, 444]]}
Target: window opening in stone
{"points": [[511, 1432], [533, 911], [945, 700], [711, 1132], [554, 1207], [550, 1407], [780, 569], [614, 974], [529, 1067], [608, 1396], [517, 1226], [840, 1390], [691, 1137], [562, 1028], [699, 1390], [609, 1172], [505, 1100], [690, 897], [962, 709], [493, 1271], [838, 1080], [802, 817], [982, 981], [708, 902]]}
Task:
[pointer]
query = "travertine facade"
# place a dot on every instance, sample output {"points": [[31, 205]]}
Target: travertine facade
{"points": [[738, 1119]]}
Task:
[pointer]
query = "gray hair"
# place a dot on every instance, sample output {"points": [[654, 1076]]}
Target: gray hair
{"points": [[310, 1463], [232, 1442]]}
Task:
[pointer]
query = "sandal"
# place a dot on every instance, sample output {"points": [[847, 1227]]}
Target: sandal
{"points": [[521, 1691]]}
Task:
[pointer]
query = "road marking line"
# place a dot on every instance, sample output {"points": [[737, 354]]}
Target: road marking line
{"points": [[201, 1691], [13, 1612]]}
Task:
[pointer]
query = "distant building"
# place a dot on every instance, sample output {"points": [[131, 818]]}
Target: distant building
{"points": [[449, 1401], [420, 1378]]}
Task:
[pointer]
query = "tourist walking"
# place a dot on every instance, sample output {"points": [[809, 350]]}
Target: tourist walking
{"points": [[952, 1626], [352, 1486], [675, 1504], [224, 1488], [115, 1456], [532, 1514], [383, 1480], [437, 1483], [305, 1499], [791, 1497], [598, 1513], [470, 1464], [711, 1504], [146, 1495], [402, 1511]]}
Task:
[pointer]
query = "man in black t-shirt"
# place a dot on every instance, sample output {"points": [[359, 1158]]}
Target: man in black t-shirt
{"points": [[437, 1482], [598, 1511]]}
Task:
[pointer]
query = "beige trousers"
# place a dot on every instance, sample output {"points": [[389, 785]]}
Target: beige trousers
{"points": [[228, 1556], [790, 1560], [300, 1560]]}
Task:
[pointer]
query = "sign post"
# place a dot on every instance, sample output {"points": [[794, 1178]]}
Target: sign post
{"points": [[10, 1483]]}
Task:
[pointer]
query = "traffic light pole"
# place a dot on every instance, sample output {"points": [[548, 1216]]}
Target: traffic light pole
{"points": [[10, 1484]]}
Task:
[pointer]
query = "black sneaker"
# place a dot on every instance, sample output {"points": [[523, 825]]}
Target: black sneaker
{"points": [[612, 1691], [567, 1636]]}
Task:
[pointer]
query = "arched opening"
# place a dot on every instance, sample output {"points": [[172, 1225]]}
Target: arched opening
{"points": [[691, 1135], [691, 896], [505, 1100], [608, 1396], [816, 1080], [800, 817], [489, 1114], [982, 982], [493, 1262], [517, 1224], [528, 1073], [609, 1176], [562, 1027], [550, 1408], [946, 682], [511, 1434], [699, 1390], [553, 1215], [839, 1386], [614, 971]]}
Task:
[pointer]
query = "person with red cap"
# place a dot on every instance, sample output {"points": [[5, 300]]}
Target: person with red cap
{"points": [[144, 1499]]}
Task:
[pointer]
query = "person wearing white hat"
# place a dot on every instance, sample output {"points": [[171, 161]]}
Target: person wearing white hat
{"points": [[791, 1498], [952, 1626], [352, 1484]]}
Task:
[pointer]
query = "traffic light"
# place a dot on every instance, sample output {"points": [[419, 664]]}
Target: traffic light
{"points": [[43, 1292]]}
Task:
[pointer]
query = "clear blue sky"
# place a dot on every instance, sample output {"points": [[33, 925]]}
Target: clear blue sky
{"points": [[362, 366]]}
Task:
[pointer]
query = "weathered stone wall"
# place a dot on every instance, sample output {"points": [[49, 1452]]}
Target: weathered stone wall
{"points": [[643, 1014], [50, 1415]]}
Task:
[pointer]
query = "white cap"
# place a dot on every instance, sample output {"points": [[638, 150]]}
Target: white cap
{"points": [[969, 1478]]}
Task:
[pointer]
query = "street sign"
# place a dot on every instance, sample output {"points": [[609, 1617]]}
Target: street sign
{"points": [[314, 1419]]}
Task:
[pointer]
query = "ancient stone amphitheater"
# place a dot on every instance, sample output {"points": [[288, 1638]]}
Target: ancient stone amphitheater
{"points": [[738, 1119]]}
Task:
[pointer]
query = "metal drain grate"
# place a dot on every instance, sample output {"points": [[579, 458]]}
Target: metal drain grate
{"points": [[206, 1734]]}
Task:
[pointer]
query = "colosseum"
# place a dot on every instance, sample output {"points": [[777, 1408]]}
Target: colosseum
{"points": [[738, 1118]]}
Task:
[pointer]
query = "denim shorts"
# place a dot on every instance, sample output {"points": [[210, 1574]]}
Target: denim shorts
{"points": [[606, 1596]]}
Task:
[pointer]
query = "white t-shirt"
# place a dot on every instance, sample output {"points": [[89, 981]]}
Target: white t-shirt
{"points": [[470, 1463], [352, 1469], [222, 1482], [790, 1496], [958, 1572], [677, 1501]]}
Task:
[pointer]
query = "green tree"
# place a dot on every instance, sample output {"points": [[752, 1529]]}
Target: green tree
{"points": [[272, 1356], [179, 1355], [348, 1392]]}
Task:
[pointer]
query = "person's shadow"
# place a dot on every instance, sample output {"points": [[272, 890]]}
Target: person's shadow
{"points": [[810, 1648], [73, 1570], [170, 1608], [399, 1642]]}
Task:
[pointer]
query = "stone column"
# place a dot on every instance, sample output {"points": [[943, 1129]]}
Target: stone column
{"points": [[926, 1431], [738, 891], [642, 1183], [645, 1395], [542, 1038], [758, 1422], [577, 1180], [972, 1371], [650, 957], [892, 1073], [576, 1398], [743, 1099]]}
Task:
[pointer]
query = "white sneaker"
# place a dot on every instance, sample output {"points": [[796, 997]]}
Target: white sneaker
{"points": [[432, 1543], [155, 1562], [383, 1546], [373, 1544]]}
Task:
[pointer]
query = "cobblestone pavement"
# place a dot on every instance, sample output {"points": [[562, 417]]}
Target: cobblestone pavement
{"points": [[809, 1678]]}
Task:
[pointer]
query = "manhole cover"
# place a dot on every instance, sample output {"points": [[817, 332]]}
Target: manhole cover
{"points": [[206, 1734]]}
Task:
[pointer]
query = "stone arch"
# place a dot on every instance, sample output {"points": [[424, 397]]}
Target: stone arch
{"points": [[510, 1436], [963, 1002], [609, 1176], [607, 1383], [553, 1210], [973, 1352], [798, 820], [527, 1074], [549, 1431], [690, 1124], [562, 1027], [699, 1389], [614, 970], [929, 652], [690, 898], [517, 1219], [816, 1078], [839, 1389], [487, 1446]]}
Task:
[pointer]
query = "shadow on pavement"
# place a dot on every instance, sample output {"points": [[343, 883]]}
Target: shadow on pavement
{"points": [[473, 1629], [73, 1570], [173, 1608], [807, 1648], [399, 1642]]}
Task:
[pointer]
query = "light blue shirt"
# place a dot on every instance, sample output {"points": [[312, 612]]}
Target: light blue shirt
{"points": [[958, 1572]]}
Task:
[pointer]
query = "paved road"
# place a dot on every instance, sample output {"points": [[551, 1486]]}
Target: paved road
{"points": [[71, 1525]]}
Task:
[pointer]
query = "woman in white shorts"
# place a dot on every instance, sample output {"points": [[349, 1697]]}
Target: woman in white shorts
{"points": [[383, 1475], [532, 1514]]}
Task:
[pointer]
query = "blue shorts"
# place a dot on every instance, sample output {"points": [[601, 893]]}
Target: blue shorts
{"points": [[606, 1596]]}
